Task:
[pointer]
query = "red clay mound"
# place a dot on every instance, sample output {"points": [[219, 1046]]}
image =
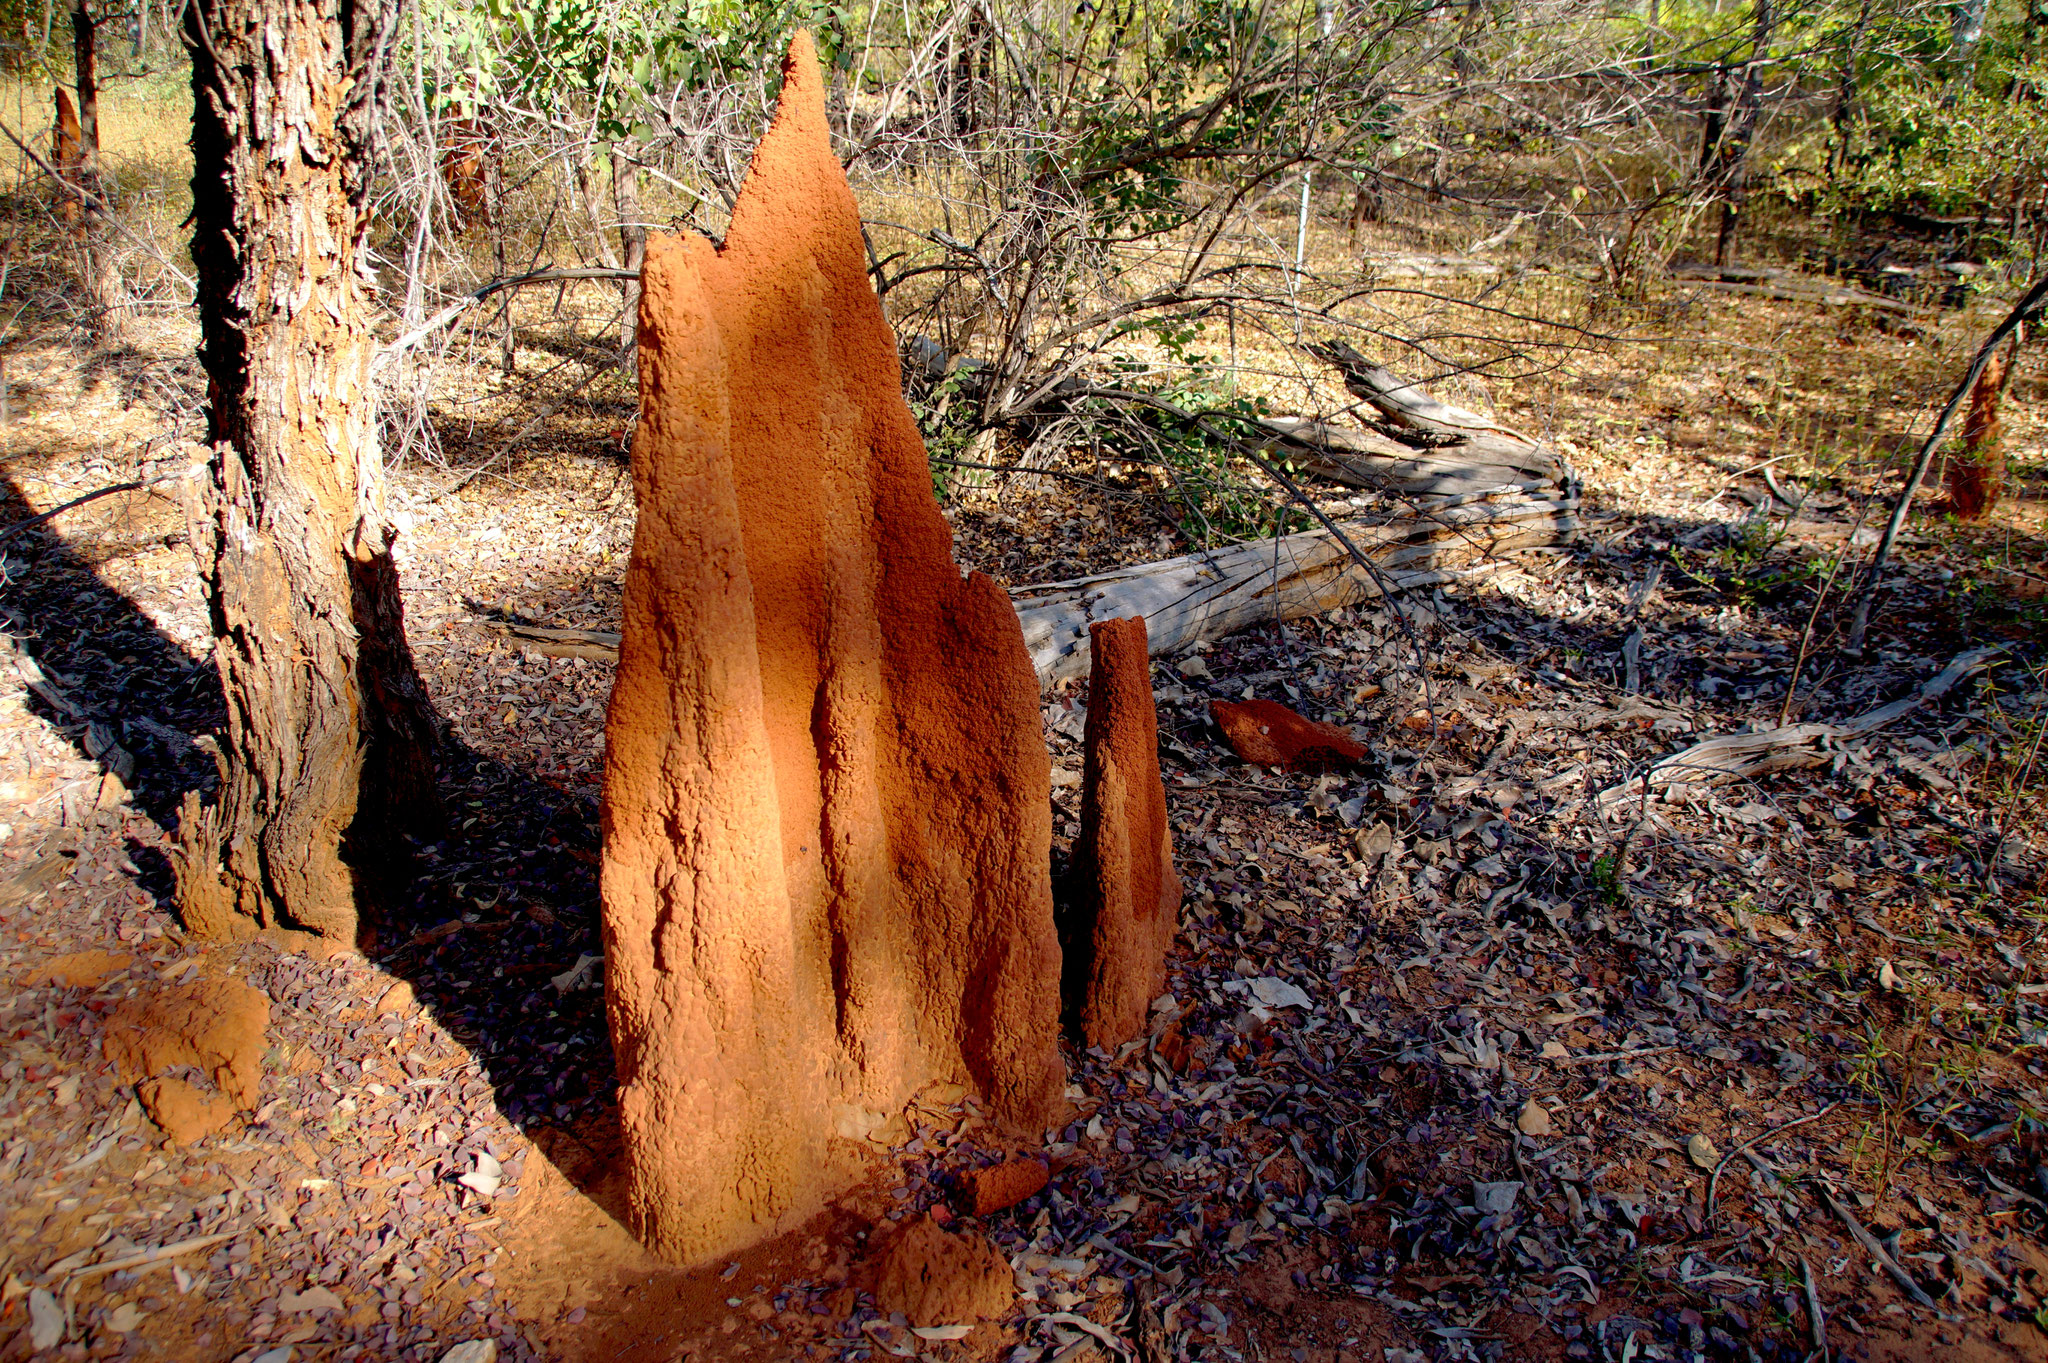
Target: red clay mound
{"points": [[937, 1278], [1126, 896], [214, 1026], [827, 814], [1271, 735]]}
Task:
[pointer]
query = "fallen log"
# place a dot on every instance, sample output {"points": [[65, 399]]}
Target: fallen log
{"points": [[1197, 597], [1789, 746], [1788, 288], [1422, 446]]}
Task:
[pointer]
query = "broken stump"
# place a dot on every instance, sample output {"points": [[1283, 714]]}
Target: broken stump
{"points": [[827, 823]]}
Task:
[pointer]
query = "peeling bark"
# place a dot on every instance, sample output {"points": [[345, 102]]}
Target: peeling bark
{"points": [[324, 706]]}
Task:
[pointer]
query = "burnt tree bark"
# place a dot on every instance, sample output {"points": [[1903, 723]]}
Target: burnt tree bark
{"points": [[632, 237], [330, 740], [98, 261], [85, 55]]}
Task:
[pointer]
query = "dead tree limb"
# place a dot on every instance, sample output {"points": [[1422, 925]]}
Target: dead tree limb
{"points": [[1789, 746], [1464, 493], [1205, 596]]}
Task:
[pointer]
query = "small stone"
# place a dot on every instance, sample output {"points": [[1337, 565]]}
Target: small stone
{"points": [[397, 999], [1701, 1151], [1533, 1120], [45, 1320], [473, 1351]]}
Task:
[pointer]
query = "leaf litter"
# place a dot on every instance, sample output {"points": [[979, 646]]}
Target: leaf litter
{"points": [[1450, 1055]]}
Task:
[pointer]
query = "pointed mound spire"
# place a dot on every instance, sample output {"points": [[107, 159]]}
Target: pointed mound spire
{"points": [[827, 815]]}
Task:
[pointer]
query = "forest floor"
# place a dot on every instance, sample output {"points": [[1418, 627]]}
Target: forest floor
{"points": [[1461, 1060]]}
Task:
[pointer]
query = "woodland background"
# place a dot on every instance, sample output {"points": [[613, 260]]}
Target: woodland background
{"points": [[1727, 259]]}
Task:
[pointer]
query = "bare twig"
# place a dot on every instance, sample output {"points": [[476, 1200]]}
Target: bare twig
{"points": [[1714, 1180], [33, 521], [1876, 1250], [454, 311], [1816, 1318]]}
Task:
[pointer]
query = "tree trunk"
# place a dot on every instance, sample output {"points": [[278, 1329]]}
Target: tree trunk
{"points": [[97, 260], [329, 737], [1733, 173], [85, 55], [632, 238]]}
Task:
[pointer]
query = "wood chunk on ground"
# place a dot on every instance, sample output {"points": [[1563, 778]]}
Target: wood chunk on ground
{"points": [[1268, 734]]}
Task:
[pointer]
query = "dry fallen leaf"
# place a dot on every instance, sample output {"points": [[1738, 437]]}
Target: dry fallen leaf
{"points": [[1533, 1120], [312, 1299], [1701, 1151]]}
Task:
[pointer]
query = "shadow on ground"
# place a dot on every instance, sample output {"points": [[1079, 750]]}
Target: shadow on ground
{"points": [[488, 931]]}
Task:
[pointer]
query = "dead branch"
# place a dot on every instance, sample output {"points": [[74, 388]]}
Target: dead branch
{"points": [[1205, 596], [1789, 746]]}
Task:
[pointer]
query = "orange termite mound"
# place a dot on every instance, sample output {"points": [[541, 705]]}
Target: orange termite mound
{"points": [[827, 815], [67, 150], [1268, 734], [1976, 476], [1126, 897]]}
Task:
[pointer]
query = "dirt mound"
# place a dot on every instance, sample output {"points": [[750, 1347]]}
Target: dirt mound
{"points": [[213, 1026], [828, 834], [935, 1277], [1269, 734], [79, 969], [184, 1111], [1125, 896]]}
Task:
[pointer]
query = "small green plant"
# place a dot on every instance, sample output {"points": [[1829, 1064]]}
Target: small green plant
{"points": [[1605, 878], [1192, 438]]}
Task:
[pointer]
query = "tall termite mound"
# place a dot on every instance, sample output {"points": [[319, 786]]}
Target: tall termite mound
{"points": [[1124, 896], [1976, 474], [827, 797]]}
